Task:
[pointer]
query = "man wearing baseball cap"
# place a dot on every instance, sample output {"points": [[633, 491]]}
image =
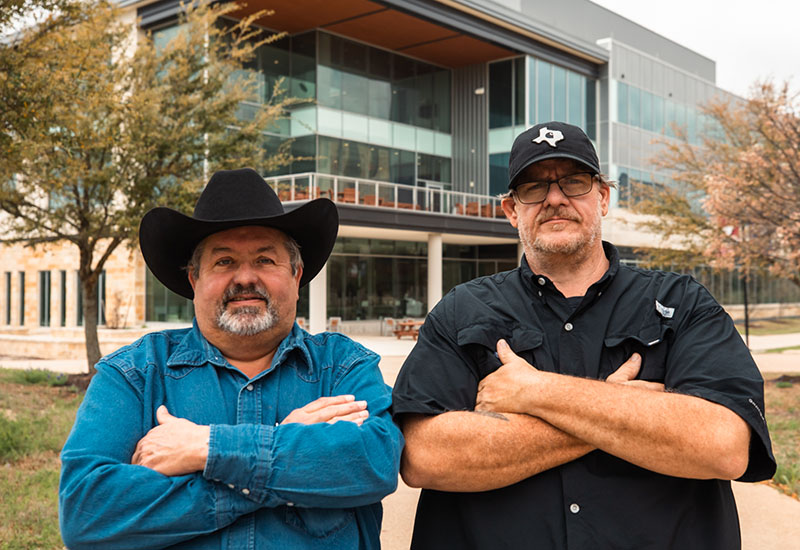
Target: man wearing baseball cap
{"points": [[576, 402], [243, 431]]}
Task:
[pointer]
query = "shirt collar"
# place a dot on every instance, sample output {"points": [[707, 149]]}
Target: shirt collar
{"points": [[540, 281], [195, 350]]}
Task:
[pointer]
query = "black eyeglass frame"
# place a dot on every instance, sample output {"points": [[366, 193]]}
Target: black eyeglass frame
{"points": [[557, 182]]}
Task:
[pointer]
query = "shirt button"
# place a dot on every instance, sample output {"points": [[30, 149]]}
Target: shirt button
{"points": [[246, 491], [541, 281], [574, 508], [249, 387], [290, 504], [540, 293], [230, 486], [568, 327]]}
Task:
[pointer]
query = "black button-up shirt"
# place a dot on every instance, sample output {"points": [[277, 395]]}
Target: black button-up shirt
{"points": [[598, 501]]}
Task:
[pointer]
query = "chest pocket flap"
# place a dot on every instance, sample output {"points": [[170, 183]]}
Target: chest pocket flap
{"points": [[480, 341], [648, 340]]}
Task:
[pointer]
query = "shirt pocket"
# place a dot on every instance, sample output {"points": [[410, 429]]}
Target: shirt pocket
{"points": [[319, 522], [480, 342], [649, 341]]}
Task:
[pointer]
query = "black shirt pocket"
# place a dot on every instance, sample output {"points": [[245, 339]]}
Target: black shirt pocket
{"points": [[480, 342], [648, 340]]}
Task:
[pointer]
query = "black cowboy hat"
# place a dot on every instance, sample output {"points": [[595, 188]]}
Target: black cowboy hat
{"points": [[234, 198]]}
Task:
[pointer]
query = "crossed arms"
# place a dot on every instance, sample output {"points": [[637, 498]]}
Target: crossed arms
{"points": [[125, 485], [539, 420]]}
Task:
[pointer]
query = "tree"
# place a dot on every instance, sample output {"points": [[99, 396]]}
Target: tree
{"points": [[97, 135], [736, 197]]}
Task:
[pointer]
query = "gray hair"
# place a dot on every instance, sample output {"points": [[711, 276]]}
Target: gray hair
{"points": [[295, 258]]}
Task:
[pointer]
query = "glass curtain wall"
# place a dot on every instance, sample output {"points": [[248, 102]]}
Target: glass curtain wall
{"points": [[164, 306], [553, 93], [371, 278], [358, 78]]}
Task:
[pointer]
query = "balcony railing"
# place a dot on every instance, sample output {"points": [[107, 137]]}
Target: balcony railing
{"points": [[380, 194]]}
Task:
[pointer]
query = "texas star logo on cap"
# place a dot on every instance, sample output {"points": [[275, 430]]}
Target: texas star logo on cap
{"points": [[550, 136]]}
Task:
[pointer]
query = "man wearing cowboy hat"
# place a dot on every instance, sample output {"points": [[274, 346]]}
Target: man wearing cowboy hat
{"points": [[243, 431], [534, 403]]}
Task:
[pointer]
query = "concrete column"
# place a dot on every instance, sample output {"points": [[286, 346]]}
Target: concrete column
{"points": [[318, 302], [434, 269], [520, 251]]}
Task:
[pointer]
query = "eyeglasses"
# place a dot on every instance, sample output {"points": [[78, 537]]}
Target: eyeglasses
{"points": [[574, 185]]}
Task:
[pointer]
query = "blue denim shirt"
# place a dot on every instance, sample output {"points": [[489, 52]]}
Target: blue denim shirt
{"points": [[265, 485]]}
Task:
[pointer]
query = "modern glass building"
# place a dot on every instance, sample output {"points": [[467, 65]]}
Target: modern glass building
{"points": [[412, 108]]}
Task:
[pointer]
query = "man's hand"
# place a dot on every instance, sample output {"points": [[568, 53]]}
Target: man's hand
{"points": [[175, 447], [330, 409], [511, 387], [508, 388], [626, 375]]}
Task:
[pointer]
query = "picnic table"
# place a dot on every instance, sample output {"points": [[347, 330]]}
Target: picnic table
{"points": [[407, 328]]}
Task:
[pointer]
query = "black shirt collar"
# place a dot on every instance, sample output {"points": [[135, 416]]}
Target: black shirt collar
{"points": [[539, 282]]}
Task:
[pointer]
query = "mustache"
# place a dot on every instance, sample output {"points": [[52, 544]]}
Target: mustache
{"points": [[237, 291], [559, 212]]}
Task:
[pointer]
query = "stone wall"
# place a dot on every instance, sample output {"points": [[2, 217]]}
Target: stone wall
{"points": [[125, 285]]}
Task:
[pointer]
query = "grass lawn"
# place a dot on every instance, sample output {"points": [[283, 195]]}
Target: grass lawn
{"points": [[35, 419], [782, 394], [36, 414], [761, 327]]}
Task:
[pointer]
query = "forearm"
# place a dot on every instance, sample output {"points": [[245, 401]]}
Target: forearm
{"points": [[666, 432], [468, 451], [105, 505], [324, 465]]}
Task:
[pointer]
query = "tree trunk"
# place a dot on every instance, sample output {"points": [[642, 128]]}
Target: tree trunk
{"points": [[93, 354]]}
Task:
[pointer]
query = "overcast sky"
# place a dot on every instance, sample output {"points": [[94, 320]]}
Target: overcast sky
{"points": [[748, 39]]}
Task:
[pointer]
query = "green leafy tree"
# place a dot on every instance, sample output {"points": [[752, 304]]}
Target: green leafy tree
{"points": [[104, 124], [736, 198]]}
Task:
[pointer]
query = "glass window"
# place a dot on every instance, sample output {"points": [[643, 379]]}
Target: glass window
{"points": [[576, 87], [519, 91], [164, 306], [441, 101], [21, 298], [647, 111], [691, 124], [403, 95], [304, 66], [498, 173], [8, 297], [590, 112], [44, 298], [329, 87], [544, 94], [433, 168], [671, 118], [531, 90], [63, 309], [559, 94], [622, 102], [355, 96], [101, 299], [634, 106], [658, 114], [380, 64], [500, 94]]}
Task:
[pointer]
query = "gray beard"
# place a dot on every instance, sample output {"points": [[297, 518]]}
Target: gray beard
{"points": [[577, 247], [246, 320]]}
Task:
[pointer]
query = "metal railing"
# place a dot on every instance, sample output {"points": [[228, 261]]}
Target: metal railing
{"points": [[381, 194]]}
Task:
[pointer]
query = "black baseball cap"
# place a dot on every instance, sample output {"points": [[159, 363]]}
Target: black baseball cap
{"points": [[550, 140]]}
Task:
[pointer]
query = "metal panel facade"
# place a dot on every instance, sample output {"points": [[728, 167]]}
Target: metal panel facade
{"points": [[470, 129]]}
